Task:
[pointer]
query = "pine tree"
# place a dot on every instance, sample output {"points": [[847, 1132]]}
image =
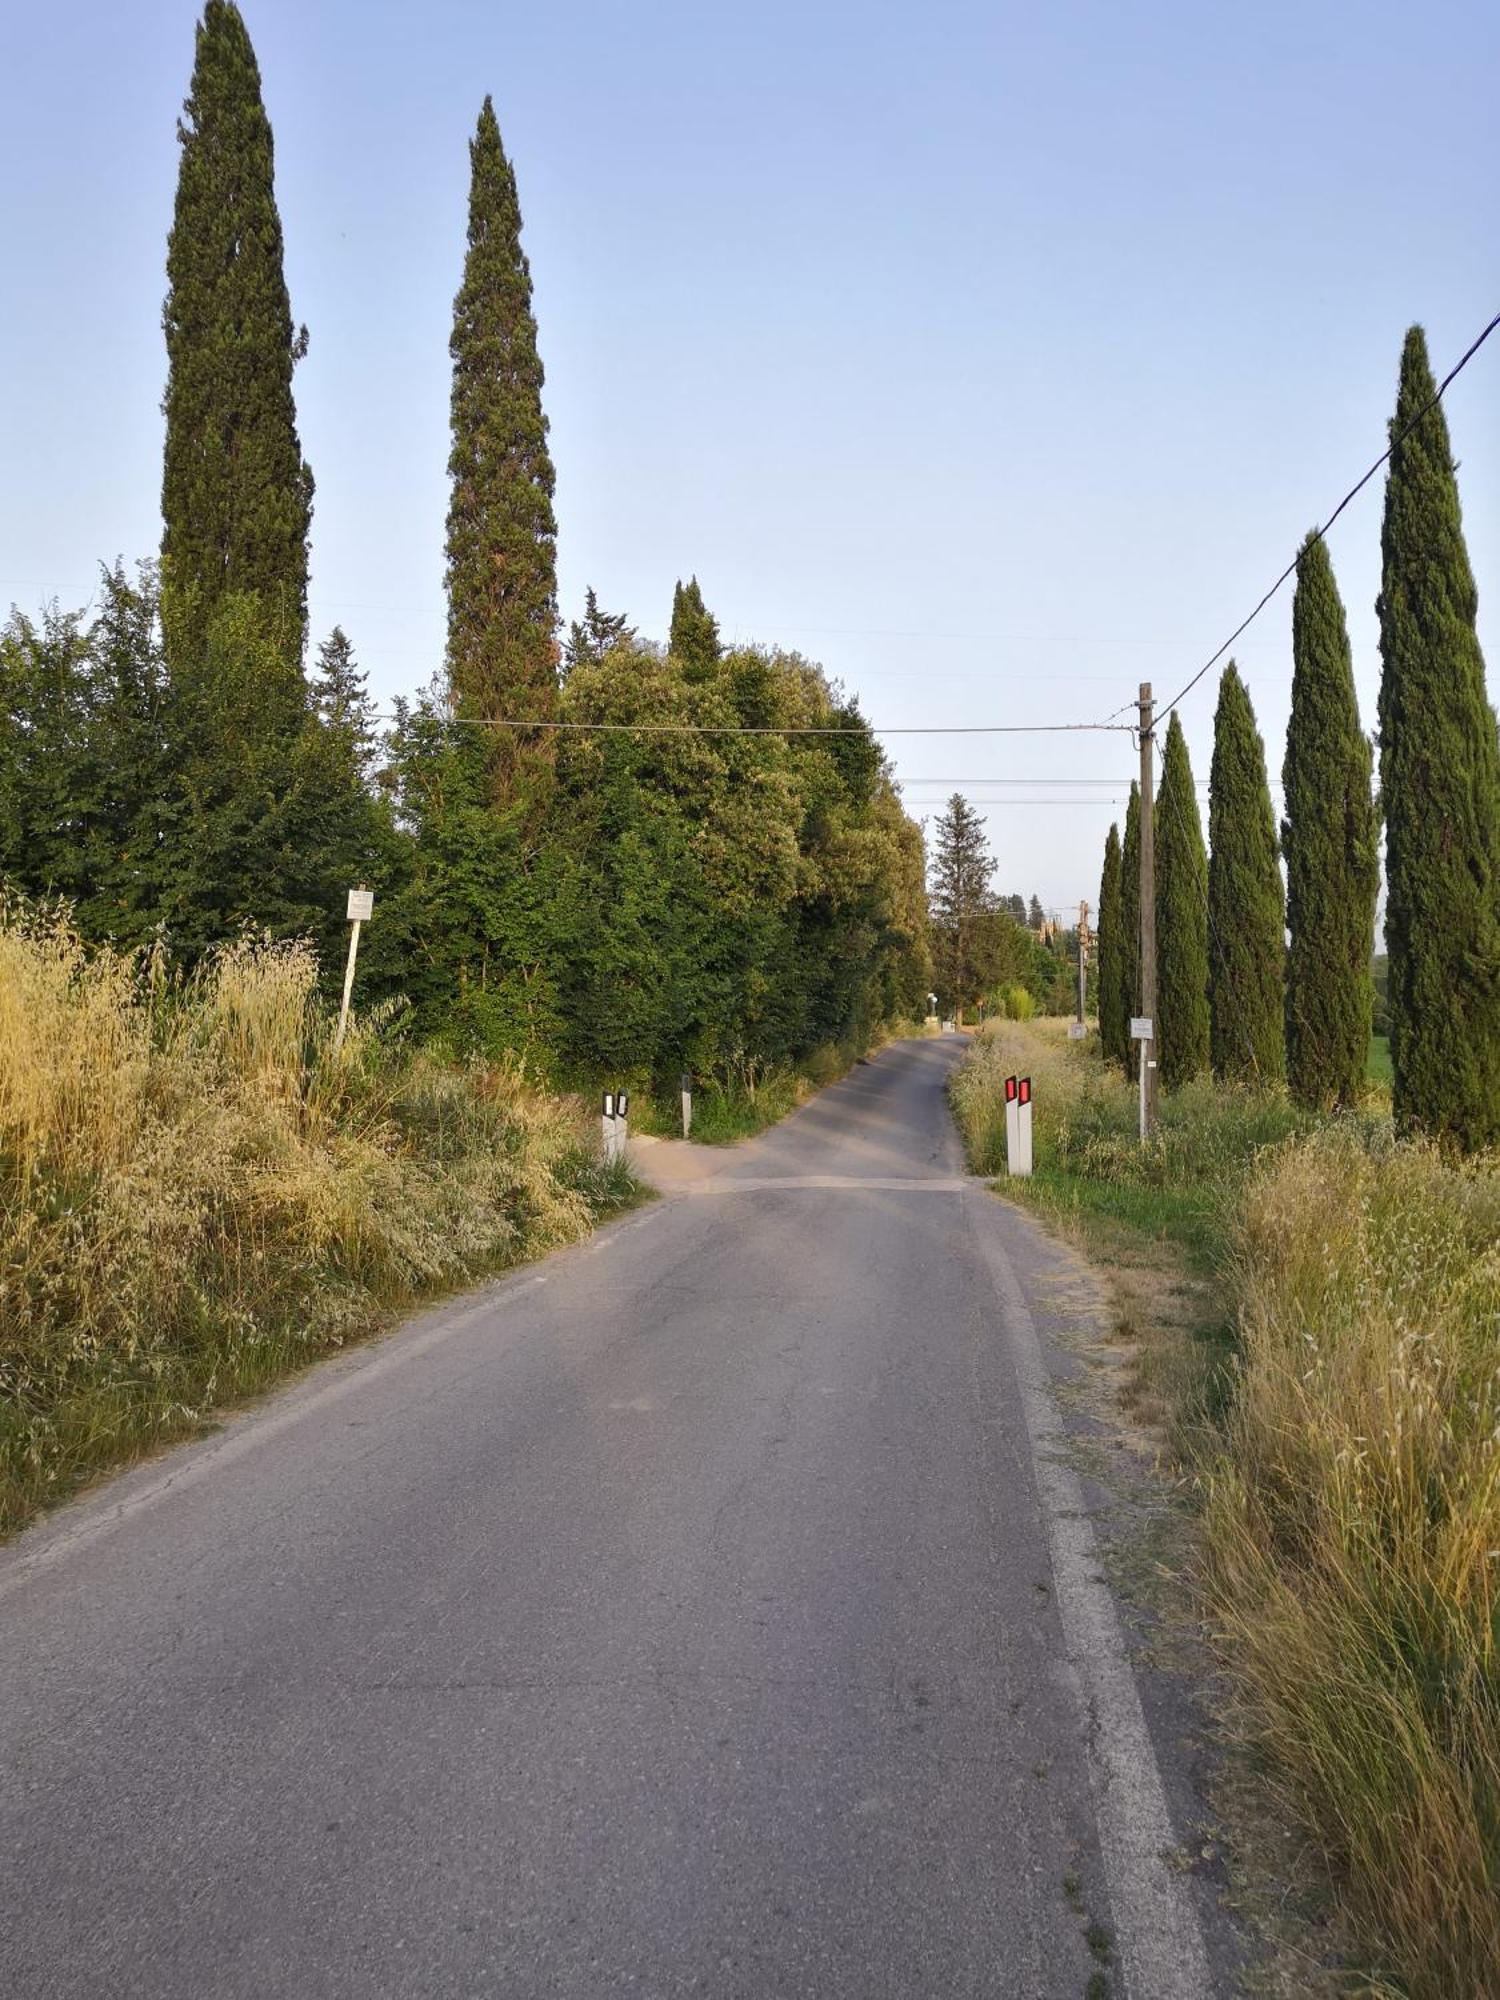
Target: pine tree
{"points": [[592, 637], [1130, 923], [958, 898], [1182, 1039], [1109, 978], [1036, 916], [236, 491], [1441, 788], [1246, 902], [502, 532], [1330, 838], [694, 637]]}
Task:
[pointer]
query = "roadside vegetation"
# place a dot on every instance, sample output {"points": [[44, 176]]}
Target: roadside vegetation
{"points": [[1333, 1392], [199, 1195]]}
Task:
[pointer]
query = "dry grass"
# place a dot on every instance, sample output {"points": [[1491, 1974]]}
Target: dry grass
{"points": [[1339, 1402], [196, 1194], [1354, 1534]]}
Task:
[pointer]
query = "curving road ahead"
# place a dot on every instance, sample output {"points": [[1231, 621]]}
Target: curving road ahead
{"points": [[710, 1610]]}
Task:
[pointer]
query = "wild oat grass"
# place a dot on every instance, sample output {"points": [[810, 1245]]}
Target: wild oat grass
{"points": [[1350, 1463], [1354, 1533], [196, 1193]]}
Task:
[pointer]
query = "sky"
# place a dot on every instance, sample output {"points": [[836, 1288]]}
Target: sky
{"points": [[996, 357]]}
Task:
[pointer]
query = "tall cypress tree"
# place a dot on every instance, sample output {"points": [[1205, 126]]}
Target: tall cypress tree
{"points": [[1329, 837], [236, 491], [694, 635], [1109, 979], [1182, 1039], [1130, 922], [1441, 788], [1246, 902], [502, 532]]}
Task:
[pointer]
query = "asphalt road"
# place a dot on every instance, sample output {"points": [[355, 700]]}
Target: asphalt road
{"points": [[708, 1610]]}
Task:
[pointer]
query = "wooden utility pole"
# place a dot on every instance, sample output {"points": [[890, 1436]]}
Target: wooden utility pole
{"points": [[1148, 915], [1083, 959]]}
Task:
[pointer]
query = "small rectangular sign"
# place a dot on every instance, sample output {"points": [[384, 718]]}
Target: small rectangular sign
{"points": [[361, 905], [1076, 1031], [1140, 1028]]}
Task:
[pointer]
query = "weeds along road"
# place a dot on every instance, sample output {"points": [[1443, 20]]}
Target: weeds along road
{"points": [[709, 1610]]}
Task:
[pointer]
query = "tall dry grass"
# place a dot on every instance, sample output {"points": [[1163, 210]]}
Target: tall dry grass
{"points": [[197, 1193], [1353, 1533], [1347, 1444]]}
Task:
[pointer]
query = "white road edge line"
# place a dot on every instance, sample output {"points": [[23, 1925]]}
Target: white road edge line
{"points": [[1156, 1928]]}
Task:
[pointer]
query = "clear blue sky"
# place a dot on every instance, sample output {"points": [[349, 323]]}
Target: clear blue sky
{"points": [[995, 356]]}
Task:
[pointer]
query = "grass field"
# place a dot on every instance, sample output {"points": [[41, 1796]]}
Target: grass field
{"points": [[1333, 1389], [1378, 1066]]}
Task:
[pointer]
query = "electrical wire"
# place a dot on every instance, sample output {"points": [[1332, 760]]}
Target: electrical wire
{"points": [[1319, 533], [776, 729]]}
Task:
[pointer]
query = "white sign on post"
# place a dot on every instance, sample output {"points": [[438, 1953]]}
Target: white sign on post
{"points": [[1140, 1028], [361, 909]]}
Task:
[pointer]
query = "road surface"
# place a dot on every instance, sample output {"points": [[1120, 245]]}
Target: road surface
{"points": [[708, 1610]]}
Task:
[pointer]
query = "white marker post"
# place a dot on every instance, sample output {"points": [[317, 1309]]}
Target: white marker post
{"points": [[622, 1123], [361, 909], [1023, 1126], [607, 1127], [687, 1104], [1012, 1124], [1141, 1031]]}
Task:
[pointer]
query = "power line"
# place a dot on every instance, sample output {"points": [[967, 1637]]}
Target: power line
{"points": [[776, 729], [1319, 533]]}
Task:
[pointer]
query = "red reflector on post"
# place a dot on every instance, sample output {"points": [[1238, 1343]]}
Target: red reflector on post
{"points": [[1010, 1090], [1025, 1089]]}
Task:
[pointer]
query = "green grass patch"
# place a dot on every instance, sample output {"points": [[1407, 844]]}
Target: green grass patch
{"points": [[1378, 1062]]}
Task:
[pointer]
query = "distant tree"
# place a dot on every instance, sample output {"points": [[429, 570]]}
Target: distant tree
{"points": [[958, 897], [502, 532], [1130, 922], [1330, 837], [1182, 1038], [592, 637], [341, 699], [1110, 1000], [1246, 901], [344, 811], [1016, 908], [1441, 788], [694, 637], [81, 775], [236, 491], [1036, 916]]}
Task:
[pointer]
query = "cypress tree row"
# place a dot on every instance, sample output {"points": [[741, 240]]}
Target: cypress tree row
{"points": [[1109, 979], [1246, 902], [1182, 1038], [1441, 789], [1130, 922], [1330, 838], [502, 532], [236, 492], [694, 634]]}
